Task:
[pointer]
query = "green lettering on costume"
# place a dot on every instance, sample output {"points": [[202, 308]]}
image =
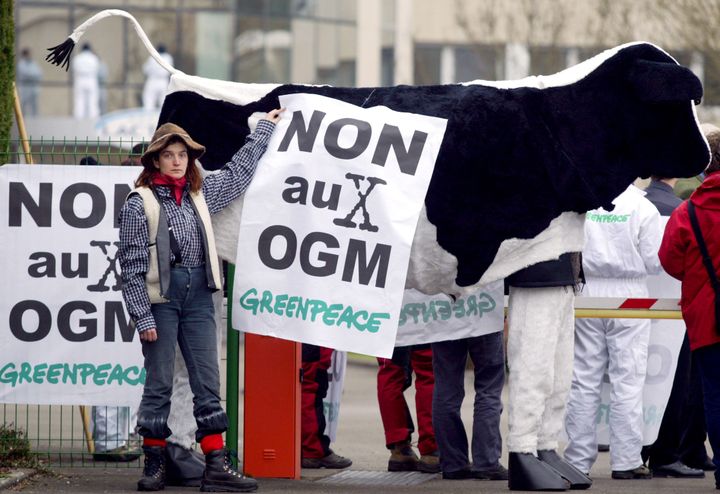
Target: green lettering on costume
{"points": [[444, 309], [472, 308]]}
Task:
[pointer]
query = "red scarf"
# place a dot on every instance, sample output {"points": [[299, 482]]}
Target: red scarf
{"points": [[176, 185]]}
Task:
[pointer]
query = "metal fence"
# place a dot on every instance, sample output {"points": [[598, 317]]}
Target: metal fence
{"points": [[71, 151]]}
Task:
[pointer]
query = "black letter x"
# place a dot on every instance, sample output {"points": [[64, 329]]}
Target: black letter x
{"points": [[112, 268], [362, 203]]}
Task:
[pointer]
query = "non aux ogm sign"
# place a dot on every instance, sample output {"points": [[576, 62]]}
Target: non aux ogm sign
{"points": [[328, 222], [65, 337]]}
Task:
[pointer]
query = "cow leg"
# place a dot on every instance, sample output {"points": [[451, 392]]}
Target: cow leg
{"points": [[533, 336]]}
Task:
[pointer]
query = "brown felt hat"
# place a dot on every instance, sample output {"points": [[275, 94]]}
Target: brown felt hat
{"points": [[160, 140]]}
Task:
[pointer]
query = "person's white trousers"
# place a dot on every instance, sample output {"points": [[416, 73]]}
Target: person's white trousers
{"points": [[86, 98], [111, 426], [620, 346], [154, 93], [540, 355]]}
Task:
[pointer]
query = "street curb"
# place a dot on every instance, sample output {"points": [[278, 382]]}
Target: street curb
{"points": [[15, 477]]}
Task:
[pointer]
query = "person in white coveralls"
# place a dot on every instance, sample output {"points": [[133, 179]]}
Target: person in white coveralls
{"points": [[157, 79], [86, 87], [621, 250]]}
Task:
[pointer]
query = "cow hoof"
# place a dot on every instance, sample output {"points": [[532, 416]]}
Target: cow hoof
{"points": [[528, 473], [577, 479]]}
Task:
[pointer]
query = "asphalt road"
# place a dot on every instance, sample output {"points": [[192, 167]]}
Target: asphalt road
{"points": [[360, 437]]}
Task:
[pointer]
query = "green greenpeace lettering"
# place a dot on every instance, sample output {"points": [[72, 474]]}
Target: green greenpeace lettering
{"points": [[607, 218], [474, 305], [59, 373], [293, 306]]}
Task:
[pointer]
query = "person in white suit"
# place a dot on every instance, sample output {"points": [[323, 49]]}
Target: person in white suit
{"points": [[157, 79], [621, 250], [86, 88]]}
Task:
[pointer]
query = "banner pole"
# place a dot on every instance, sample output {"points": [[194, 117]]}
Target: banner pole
{"points": [[21, 127], [233, 369], [86, 429]]}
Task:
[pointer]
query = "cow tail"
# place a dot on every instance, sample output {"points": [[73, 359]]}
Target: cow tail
{"points": [[60, 55]]}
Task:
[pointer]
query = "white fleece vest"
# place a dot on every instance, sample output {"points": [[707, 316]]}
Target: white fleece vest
{"points": [[157, 290]]}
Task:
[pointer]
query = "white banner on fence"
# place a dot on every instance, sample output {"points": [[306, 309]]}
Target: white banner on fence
{"points": [[328, 221], [431, 318], [331, 402], [65, 336]]}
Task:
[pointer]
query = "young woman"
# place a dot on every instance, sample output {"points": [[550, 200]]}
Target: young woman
{"points": [[169, 271]]}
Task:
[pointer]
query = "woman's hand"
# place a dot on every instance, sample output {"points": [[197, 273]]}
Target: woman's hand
{"points": [[149, 335], [274, 115]]}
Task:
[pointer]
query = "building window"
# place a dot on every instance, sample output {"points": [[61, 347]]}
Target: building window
{"points": [[479, 62], [711, 84], [427, 64], [546, 60]]}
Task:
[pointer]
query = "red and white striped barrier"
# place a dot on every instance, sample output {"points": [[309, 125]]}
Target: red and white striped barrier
{"points": [[627, 303]]}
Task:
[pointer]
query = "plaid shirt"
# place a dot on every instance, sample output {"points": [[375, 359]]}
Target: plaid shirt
{"points": [[219, 189]]}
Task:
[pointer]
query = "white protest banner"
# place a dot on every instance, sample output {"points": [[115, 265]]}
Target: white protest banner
{"points": [[65, 337], [333, 397], [431, 318], [328, 221]]}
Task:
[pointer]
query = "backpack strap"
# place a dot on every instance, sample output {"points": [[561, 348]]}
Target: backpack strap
{"points": [[707, 261]]}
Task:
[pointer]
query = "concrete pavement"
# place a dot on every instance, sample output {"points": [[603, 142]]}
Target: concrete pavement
{"points": [[360, 437]]}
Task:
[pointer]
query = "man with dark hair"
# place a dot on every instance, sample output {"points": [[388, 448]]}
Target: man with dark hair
{"points": [[681, 438]]}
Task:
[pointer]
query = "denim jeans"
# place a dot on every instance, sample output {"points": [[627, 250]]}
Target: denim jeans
{"points": [[188, 319], [449, 359]]}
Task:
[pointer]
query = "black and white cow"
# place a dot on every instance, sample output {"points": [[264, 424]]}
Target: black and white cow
{"points": [[520, 162]]}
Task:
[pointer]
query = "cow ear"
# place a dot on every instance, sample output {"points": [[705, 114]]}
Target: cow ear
{"points": [[664, 81]]}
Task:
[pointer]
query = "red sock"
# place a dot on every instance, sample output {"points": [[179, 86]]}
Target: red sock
{"points": [[211, 443], [149, 441]]}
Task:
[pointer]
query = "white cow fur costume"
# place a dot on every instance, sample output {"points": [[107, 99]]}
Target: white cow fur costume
{"points": [[534, 420]]}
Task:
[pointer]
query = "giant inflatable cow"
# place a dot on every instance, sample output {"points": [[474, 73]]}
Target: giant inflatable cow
{"points": [[520, 164]]}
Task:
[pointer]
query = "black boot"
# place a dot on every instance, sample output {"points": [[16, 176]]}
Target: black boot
{"points": [[220, 476], [183, 467], [153, 478], [577, 479], [527, 473]]}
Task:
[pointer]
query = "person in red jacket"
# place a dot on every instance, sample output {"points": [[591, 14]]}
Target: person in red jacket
{"points": [[681, 256]]}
